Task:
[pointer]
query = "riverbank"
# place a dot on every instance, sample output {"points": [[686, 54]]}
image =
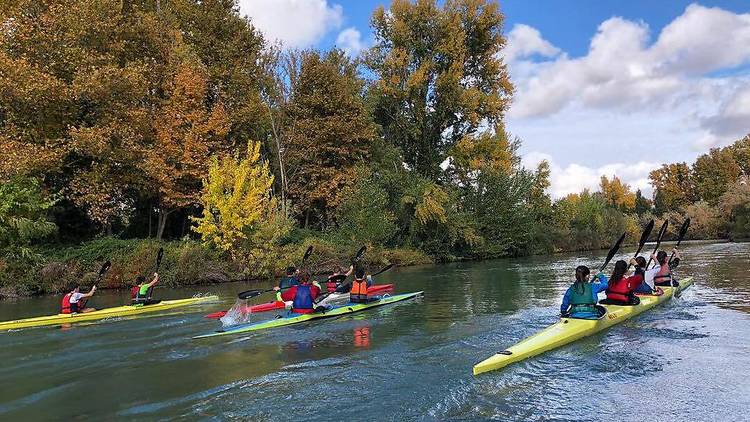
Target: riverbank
{"points": [[52, 270]]}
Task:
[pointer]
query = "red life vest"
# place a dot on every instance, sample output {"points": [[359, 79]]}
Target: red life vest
{"points": [[331, 286], [289, 294], [134, 291], [65, 306], [622, 289]]}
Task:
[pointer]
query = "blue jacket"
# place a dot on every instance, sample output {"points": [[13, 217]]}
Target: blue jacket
{"points": [[595, 289]]}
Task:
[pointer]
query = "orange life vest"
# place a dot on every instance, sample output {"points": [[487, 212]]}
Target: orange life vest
{"points": [[359, 291]]}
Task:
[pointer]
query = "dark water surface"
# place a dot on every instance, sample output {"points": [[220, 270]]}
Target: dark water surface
{"points": [[687, 360]]}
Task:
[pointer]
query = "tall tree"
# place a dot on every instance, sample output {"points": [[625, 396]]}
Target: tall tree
{"points": [[673, 187], [330, 134], [617, 194], [642, 204], [440, 75], [713, 173]]}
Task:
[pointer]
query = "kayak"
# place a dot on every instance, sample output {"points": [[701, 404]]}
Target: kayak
{"points": [[119, 311], [275, 305], [292, 318], [568, 330]]}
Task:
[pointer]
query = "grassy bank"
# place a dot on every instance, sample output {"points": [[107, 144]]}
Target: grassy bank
{"points": [[53, 269]]}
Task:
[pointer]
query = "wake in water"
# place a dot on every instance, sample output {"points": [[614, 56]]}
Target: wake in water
{"points": [[237, 314]]}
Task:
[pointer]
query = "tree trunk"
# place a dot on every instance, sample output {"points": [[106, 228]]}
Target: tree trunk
{"points": [[282, 172], [150, 211], [162, 222]]}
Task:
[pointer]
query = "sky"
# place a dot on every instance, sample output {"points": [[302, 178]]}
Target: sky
{"points": [[602, 87]]}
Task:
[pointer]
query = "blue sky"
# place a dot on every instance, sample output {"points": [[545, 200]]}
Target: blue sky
{"points": [[603, 87]]}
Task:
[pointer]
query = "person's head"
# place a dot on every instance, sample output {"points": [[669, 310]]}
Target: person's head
{"points": [[304, 277], [140, 280], [75, 288], [359, 274], [338, 270], [582, 273], [620, 268], [661, 257], [641, 261], [290, 271]]}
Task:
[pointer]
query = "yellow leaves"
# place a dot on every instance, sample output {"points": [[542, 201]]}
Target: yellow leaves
{"points": [[237, 200], [431, 205], [617, 194]]}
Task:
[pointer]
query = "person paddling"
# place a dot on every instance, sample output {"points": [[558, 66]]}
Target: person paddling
{"points": [[144, 290], [74, 302], [335, 280], [664, 276], [358, 292], [302, 295], [621, 287], [648, 287], [580, 300], [291, 278]]}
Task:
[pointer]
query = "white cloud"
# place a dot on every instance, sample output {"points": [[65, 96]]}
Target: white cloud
{"points": [[350, 40], [526, 41], [631, 101], [573, 178], [295, 23]]}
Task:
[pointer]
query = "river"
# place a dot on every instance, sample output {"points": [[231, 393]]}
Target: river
{"points": [[687, 360]]}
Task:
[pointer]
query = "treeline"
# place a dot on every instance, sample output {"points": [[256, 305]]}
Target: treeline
{"points": [[176, 120]]}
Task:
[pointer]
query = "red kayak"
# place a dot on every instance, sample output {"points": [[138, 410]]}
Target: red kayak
{"points": [[272, 306]]}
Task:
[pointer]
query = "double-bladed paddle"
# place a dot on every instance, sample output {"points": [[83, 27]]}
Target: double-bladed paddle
{"points": [[659, 238], [683, 230], [257, 292], [644, 237], [612, 252]]}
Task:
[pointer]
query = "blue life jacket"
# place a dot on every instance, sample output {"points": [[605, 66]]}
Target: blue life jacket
{"points": [[303, 299], [288, 282]]}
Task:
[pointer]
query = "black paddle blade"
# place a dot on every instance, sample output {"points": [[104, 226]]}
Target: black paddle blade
{"points": [[613, 251], [308, 252], [105, 268], [683, 230], [387, 267], [338, 278], [359, 254], [663, 230], [159, 256], [250, 293], [647, 232]]}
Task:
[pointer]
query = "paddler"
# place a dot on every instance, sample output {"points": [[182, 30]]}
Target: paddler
{"points": [[291, 279], [74, 302], [647, 287], [143, 290], [580, 300], [302, 295], [621, 290], [358, 292], [664, 275], [335, 280]]}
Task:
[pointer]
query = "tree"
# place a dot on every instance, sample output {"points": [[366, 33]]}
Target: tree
{"points": [[188, 128], [713, 173], [617, 194], [440, 76], [673, 187], [643, 205], [23, 216], [330, 134], [239, 213]]}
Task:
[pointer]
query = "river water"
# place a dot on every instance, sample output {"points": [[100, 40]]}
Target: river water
{"points": [[687, 360]]}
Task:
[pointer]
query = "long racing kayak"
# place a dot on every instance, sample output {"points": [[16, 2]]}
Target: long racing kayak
{"points": [[119, 311], [375, 289], [568, 330], [291, 318]]}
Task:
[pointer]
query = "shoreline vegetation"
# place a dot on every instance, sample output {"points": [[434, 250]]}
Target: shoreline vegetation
{"points": [[126, 126]]}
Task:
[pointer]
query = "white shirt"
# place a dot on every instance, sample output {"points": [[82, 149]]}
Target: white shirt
{"points": [[75, 297], [648, 277]]}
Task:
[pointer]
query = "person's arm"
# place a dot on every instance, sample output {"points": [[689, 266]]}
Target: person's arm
{"points": [[565, 302], [154, 281], [90, 293], [603, 283], [369, 280], [351, 270]]}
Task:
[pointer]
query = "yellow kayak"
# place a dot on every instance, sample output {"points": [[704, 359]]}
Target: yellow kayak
{"points": [[568, 330], [119, 311]]}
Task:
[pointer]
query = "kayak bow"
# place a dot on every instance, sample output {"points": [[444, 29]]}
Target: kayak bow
{"points": [[119, 311], [568, 330], [291, 318]]}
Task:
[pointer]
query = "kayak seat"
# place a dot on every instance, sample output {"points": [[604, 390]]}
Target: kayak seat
{"points": [[601, 311], [633, 302]]}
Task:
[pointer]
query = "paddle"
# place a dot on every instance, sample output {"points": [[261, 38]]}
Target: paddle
{"points": [[257, 292], [644, 237], [659, 238], [102, 271], [612, 252], [159, 256], [683, 231]]}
